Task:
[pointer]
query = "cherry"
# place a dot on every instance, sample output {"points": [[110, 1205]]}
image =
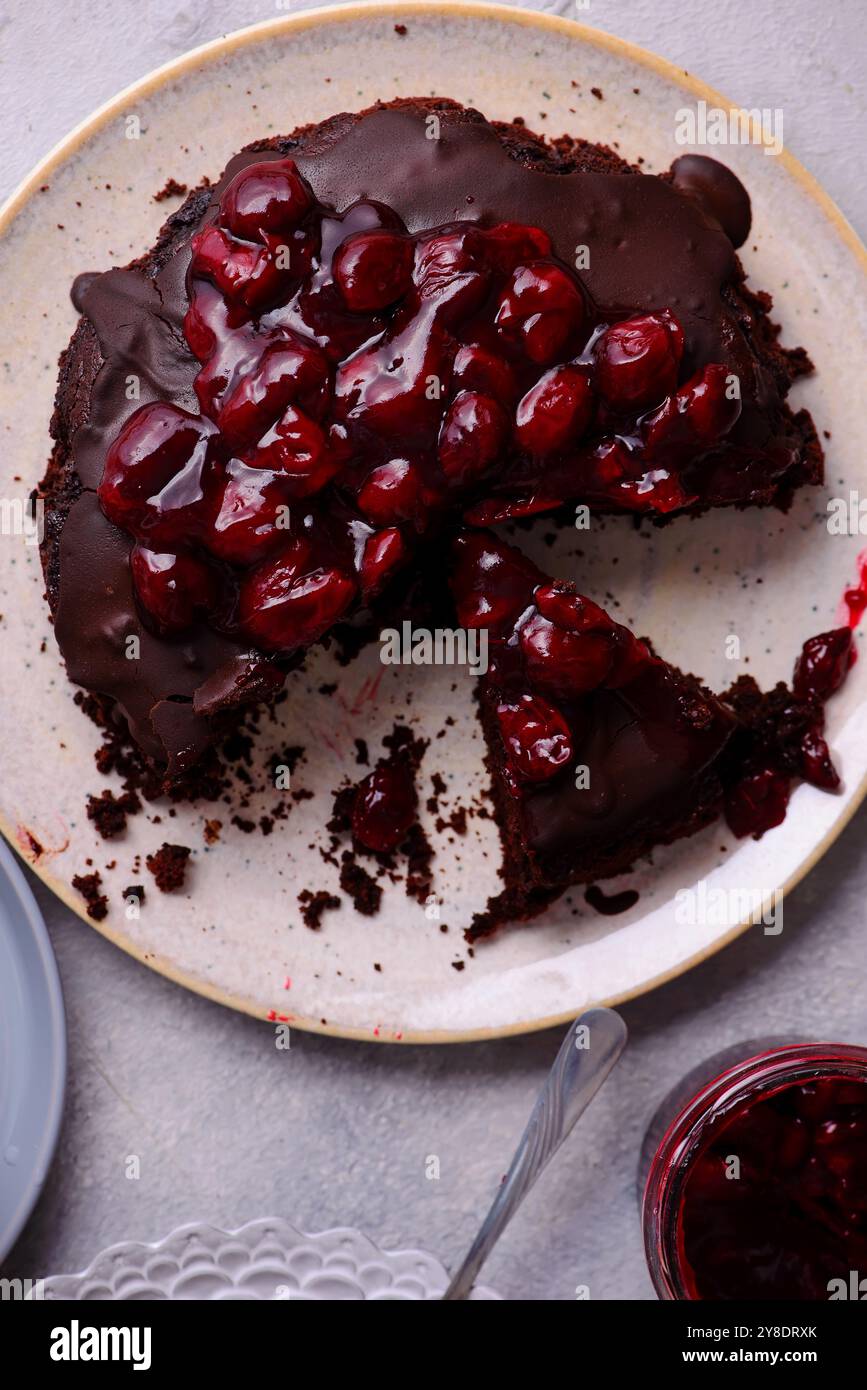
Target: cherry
{"points": [[373, 269], [561, 604], [657, 490], [542, 308], [392, 492], [290, 369], [555, 412], [536, 737], [821, 668], [472, 435], [249, 514], [637, 360], [493, 510], [152, 482], [384, 553], [385, 806], [173, 589], [281, 609], [511, 244], [447, 274], [562, 662], [269, 196], [816, 765], [392, 388], [253, 276], [298, 448], [477, 369], [229, 264], [492, 583], [698, 415], [205, 319], [757, 802]]}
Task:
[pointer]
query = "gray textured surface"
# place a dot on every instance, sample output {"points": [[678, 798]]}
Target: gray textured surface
{"points": [[226, 1127]]}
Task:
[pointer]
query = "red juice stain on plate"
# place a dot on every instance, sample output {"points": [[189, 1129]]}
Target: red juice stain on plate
{"points": [[610, 906], [855, 599]]}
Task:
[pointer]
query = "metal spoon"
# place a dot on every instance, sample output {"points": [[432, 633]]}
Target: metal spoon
{"points": [[589, 1051]]}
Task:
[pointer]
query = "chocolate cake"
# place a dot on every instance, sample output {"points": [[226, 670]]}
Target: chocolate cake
{"points": [[380, 332]]}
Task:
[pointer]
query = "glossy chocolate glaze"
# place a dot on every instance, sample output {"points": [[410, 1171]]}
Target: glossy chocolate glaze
{"points": [[650, 248]]}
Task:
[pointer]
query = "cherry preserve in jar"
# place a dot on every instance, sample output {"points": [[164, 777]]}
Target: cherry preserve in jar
{"points": [[755, 1176]]}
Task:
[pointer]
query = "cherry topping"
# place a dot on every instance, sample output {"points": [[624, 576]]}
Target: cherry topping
{"points": [[543, 308], [536, 736], [511, 244], [249, 514], [492, 583], [385, 806], [173, 589], [555, 412], [384, 554], [281, 609], [373, 269], [816, 765], [698, 415], [561, 604], [152, 482], [472, 435], [448, 275], [290, 369], [477, 369], [297, 447], [637, 360], [269, 196], [564, 662], [757, 802], [823, 663], [392, 492]]}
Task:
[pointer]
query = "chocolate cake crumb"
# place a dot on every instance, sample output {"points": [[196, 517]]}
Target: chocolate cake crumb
{"points": [[89, 886], [419, 856], [169, 867], [400, 29], [597, 92], [362, 753], [359, 885], [313, 905], [170, 189], [109, 811]]}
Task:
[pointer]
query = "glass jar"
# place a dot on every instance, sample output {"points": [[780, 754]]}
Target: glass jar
{"points": [[754, 1174]]}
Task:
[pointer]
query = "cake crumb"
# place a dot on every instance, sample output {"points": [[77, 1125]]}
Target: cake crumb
{"points": [[169, 867], [313, 905], [109, 812], [170, 189], [90, 886]]}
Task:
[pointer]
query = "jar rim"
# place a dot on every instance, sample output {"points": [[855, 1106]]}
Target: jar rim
{"points": [[763, 1072]]}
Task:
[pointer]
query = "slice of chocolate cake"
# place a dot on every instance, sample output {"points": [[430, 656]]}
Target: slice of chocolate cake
{"points": [[599, 750]]}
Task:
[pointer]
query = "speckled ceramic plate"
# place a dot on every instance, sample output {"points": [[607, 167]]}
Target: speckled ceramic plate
{"points": [[236, 934], [264, 1260]]}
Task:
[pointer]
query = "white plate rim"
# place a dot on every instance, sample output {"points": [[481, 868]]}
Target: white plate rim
{"points": [[388, 9]]}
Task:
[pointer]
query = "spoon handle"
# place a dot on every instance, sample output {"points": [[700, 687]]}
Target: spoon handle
{"points": [[589, 1051]]}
